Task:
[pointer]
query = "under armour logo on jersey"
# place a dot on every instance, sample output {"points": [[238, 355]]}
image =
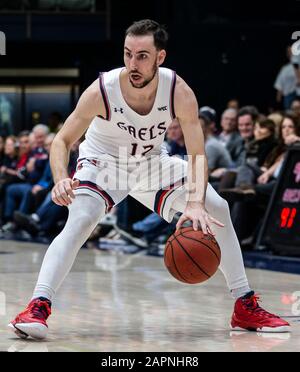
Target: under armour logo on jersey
{"points": [[164, 108], [119, 110]]}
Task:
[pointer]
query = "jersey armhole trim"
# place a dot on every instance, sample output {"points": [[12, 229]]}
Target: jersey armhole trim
{"points": [[105, 98], [172, 96]]}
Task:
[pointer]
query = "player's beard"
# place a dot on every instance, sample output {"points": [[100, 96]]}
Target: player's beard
{"points": [[147, 81]]}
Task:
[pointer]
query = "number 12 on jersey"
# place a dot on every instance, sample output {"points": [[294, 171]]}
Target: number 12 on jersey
{"points": [[146, 148]]}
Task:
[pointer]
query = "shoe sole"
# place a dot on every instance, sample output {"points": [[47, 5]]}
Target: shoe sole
{"points": [[35, 330], [284, 329]]}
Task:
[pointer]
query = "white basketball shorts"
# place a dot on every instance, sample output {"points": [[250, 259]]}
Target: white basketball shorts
{"points": [[155, 181]]}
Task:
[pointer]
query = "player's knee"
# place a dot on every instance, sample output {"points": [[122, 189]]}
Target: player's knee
{"points": [[85, 219]]}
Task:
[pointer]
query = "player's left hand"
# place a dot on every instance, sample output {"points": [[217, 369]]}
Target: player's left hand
{"points": [[197, 213]]}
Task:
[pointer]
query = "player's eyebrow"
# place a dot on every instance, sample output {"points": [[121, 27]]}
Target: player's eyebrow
{"points": [[139, 52]]}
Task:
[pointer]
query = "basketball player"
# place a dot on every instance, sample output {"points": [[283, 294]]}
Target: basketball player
{"points": [[131, 108]]}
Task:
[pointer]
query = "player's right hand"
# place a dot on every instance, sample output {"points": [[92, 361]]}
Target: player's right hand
{"points": [[62, 193]]}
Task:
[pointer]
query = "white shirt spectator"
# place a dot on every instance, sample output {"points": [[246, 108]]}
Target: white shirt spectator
{"points": [[286, 81]]}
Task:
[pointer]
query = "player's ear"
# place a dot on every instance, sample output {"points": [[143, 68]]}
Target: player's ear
{"points": [[161, 57]]}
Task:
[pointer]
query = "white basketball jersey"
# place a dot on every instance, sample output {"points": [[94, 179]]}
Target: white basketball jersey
{"points": [[124, 128]]}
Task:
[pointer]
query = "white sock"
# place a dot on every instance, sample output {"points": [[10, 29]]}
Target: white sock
{"points": [[84, 214], [240, 292]]}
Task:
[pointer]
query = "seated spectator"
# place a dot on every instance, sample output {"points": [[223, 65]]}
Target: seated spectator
{"points": [[175, 140], [295, 107], [230, 136], [263, 143], [211, 115], [15, 171], [36, 170], [217, 156], [257, 154], [10, 160], [43, 222], [38, 157], [247, 118], [251, 147], [245, 211]]}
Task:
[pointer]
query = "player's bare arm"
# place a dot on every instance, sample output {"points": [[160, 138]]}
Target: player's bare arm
{"points": [[186, 108], [89, 105]]}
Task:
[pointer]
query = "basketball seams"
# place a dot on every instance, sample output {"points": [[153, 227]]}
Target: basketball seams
{"points": [[175, 266], [191, 258], [207, 246]]}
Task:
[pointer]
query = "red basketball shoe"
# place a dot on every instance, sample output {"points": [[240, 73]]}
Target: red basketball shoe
{"points": [[249, 316], [32, 321]]}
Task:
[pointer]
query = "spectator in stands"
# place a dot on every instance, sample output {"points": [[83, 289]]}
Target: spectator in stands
{"points": [[255, 149], [257, 154], [211, 115], [217, 156], [295, 107], [286, 82], [247, 117], [39, 156], [44, 220], [175, 140], [44, 185], [36, 170], [230, 136], [245, 212], [10, 156], [263, 143], [15, 168]]}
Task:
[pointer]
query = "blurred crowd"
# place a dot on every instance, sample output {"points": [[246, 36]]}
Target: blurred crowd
{"points": [[26, 183]]}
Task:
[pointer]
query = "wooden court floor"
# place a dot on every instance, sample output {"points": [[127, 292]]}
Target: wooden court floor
{"points": [[116, 302]]}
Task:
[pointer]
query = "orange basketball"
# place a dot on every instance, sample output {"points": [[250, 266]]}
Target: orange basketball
{"points": [[192, 257]]}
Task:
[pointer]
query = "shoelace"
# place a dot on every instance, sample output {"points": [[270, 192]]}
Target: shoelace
{"points": [[252, 304], [40, 310]]}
